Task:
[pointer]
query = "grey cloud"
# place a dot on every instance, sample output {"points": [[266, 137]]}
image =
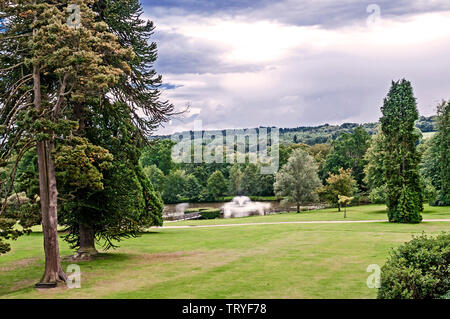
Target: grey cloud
{"points": [[326, 13], [179, 54]]}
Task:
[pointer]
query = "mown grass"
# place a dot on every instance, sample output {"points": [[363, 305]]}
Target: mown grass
{"points": [[256, 261]]}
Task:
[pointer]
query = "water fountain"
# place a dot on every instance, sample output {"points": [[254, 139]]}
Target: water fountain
{"points": [[242, 206]]}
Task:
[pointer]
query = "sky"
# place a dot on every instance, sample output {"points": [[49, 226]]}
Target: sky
{"points": [[289, 63]]}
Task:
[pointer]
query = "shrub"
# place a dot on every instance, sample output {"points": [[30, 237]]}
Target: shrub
{"points": [[210, 214], [419, 269], [378, 195]]}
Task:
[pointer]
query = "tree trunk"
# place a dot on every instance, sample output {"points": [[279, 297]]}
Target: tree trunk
{"points": [[48, 198], [298, 208], [87, 242], [86, 233], [339, 207]]}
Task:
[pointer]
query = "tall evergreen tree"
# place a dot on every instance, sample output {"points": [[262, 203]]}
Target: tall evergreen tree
{"points": [[443, 141], [124, 132], [52, 65], [401, 159]]}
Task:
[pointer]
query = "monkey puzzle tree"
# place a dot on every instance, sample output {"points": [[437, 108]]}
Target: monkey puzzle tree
{"points": [[401, 159], [46, 65], [121, 128], [122, 201]]}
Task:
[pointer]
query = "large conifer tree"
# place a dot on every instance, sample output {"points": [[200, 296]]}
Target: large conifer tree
{"points": [[94, 214], [46, 65], [401, 160]]}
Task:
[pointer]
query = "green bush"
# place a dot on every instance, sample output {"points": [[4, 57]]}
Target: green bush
{"points": [[419, 269], [378, 195], [210, 214]]}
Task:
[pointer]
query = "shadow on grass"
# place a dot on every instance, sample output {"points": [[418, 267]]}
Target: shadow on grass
{"points": [[22, 278]]}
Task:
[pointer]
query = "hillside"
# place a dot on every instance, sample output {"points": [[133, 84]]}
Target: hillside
{"points": [[327, 133]]}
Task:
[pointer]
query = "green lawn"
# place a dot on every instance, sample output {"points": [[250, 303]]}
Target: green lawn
{"points": [[256, 261], [366, 212]]}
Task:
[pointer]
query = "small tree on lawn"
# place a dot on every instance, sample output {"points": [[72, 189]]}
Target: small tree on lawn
{"points": [[298, 179], [344, 200], [338, 184], [217, 185]]}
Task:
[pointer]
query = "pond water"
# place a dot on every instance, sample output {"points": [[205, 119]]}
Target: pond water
{"points": [[172, 211]]}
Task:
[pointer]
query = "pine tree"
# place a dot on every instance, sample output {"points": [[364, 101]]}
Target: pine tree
{"points": [[47, 65], [401, 159]]}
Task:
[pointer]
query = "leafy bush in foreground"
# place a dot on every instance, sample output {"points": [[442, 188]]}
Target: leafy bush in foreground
{"points": [[419, 269]]}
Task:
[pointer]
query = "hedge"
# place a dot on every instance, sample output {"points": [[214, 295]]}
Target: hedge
{"points": [[210, 214]]}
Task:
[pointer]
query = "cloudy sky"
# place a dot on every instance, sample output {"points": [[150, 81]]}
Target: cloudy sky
{"points": [[289, 63]]}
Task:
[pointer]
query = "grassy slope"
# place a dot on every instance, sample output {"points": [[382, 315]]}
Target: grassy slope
{"points": [[259, 261]]}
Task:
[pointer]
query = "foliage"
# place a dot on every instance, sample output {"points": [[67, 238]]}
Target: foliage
{"points": [[210, 214], [377, 195], [341, 184], [430, 168], [419, 269], [17, 213], [217, 185], [374, 157], [236, 175], [156, 177], [348, 152], [401, 158], [344, 200], [128, 202], [174, 187], [122, 201], [80, 165], [193, 189], [429, 192], [159, 153], [250, 180], [297, 180], [443, 140]]}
